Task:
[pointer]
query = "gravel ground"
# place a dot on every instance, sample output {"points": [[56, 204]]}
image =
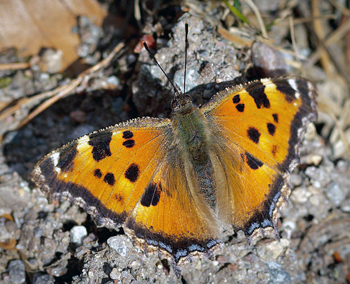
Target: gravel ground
{"points": [[59, 243]]}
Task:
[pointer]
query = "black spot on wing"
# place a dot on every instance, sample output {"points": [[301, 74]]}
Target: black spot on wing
{"points": [[132, 173], [109, 179], [128, 134], [129, 143], [151, 196], [240, 107], [100, 141], [275, 117], [253, 162], [271, 128], [274, 150], [284, 87], [67, 156], [253, 134], [98, 173], [119, 197], [236, 99], [257, 91]]}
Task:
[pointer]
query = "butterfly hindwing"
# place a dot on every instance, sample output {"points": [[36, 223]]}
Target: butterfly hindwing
{"points": [[165, 216], [263, 123]]}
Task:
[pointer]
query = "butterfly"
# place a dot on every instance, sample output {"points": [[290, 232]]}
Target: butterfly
{"points": [[173, 183]]}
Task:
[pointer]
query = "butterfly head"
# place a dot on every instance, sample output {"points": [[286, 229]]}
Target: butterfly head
{"points": [[181, 103]]}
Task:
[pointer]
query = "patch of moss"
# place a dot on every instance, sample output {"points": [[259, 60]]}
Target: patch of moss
{"points": [[4, 82]]}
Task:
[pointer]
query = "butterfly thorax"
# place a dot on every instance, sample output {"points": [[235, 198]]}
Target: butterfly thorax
{"points": [[191, 134], [189, 130]]}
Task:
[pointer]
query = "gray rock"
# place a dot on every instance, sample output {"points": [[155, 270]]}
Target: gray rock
{"points": [[39, 278], [335, 193], [17, 271], [192, 76], [277, 274], [20, 86]]}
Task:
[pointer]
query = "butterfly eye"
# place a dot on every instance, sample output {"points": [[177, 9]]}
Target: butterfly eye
{"points": [[175, 104], [188, 98]]}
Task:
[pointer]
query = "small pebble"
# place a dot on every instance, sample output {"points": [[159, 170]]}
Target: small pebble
{"points": [[51, 60], [78, 116], [114, 274], [118, 245], [345, 206], [77, 234], [57, 271], [114, 81], [272, 250]]}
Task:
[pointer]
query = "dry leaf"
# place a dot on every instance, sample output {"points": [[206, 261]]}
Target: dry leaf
{"points": [[30, 25]]}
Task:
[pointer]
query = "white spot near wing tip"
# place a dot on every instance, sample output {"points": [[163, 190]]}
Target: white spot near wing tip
{"points": [[297, 95], [55, 157], [265, 81], [292, 84]]}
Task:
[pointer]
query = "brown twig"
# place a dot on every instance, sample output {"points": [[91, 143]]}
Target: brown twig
{"points": [[235, 38], [337, 35], [311, 19], [14, 66], [338, 66], [292, 35], [341, 8], [258, 16], [319, 31]]}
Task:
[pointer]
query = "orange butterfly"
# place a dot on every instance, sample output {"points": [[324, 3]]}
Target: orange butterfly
{"points": [[172, 183]]}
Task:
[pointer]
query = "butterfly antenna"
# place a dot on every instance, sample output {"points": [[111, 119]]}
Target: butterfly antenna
{"points": [[186, 47], [176, 88]]}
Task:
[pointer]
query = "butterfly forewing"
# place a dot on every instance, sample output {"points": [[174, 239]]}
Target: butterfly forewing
{"points": [[104, 171]]}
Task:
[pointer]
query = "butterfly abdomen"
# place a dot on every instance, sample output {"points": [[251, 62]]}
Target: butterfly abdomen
{"points": [[191, 132]]}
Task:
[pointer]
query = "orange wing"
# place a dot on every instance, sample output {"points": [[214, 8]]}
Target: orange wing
{"points": [[167, 216], [262, 123], [120, 175]]}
